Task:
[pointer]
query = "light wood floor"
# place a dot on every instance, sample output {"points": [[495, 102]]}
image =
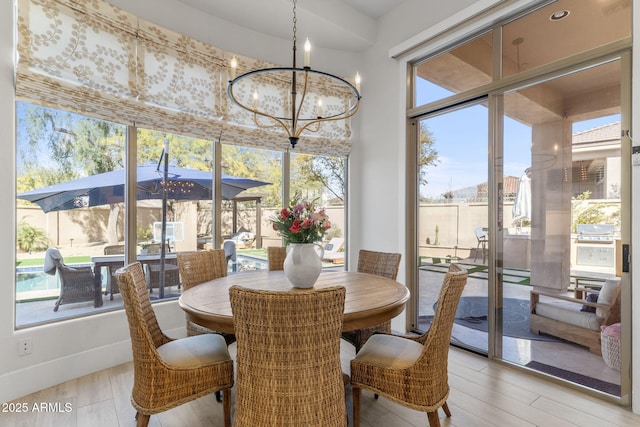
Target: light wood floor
{"points": [[482, 394]]}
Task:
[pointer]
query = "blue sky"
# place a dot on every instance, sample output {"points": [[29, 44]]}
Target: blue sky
{"points": [[461, 142]]}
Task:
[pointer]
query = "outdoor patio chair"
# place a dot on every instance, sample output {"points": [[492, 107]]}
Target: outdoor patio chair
{"points": [[381, 264], [199, 267], [112, 283], [571, 319], [483, 241], [77, 284], [288, 361], [276, 256], [169, 372], [171, 272], [412, 371]]}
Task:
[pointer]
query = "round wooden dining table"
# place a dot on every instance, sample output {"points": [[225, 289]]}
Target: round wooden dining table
{"points": [[369, 301]]}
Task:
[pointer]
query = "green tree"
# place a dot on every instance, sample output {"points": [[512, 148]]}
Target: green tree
{"points": [[315, 175], [30, 238], [585, 211], [57, 146], [253, 163], [428, 156]]}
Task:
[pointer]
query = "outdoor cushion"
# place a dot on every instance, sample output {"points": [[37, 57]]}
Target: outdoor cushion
{"points": [[389, 350], [195, 351], [592, 297], [50, 258], [612, 330], [568, 315], [606, 295]]}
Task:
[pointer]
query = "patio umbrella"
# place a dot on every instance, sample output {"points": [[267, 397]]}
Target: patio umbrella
{"points": [[107, 188], [522, 204]]}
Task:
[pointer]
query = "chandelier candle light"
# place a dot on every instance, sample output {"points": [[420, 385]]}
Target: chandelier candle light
{"points": [[298, 113]]}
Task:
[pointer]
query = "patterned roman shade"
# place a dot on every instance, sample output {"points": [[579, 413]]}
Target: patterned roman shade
{"points": [[92, 58]]}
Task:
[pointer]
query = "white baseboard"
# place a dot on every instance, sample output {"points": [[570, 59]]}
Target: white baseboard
{"points": [[23, 382]]}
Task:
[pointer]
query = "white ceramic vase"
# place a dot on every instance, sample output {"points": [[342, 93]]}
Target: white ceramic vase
{"points": [[303, 264]]}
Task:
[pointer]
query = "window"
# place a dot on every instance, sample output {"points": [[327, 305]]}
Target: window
{"points": [[171, 89]]}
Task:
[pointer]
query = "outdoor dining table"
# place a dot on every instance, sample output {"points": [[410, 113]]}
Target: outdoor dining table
{"points": [[152, 260], [369, 301]]}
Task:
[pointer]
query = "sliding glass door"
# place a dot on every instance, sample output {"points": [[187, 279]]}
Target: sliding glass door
{"points": [[561, 207], [453, 215], [522, 141]]}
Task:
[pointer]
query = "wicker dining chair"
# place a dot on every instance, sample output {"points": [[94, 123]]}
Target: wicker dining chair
{"points": [[412, 371], [381, 264], [169, 372], [199, 267], [276, 256], [288, 357]]}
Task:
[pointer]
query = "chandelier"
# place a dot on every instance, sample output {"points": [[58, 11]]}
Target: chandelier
{"points": [[302, 109]]}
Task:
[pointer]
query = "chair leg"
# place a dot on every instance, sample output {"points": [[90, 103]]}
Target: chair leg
{"points": [[142, 420], [355, 393], [434, 420], [226, 402], [446, 410], [218, 396]]}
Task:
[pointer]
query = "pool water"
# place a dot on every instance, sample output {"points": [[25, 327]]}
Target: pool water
{"points": [[35, 279]]}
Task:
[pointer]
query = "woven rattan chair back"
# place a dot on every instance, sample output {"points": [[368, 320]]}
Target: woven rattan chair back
{"points": [[288, 358], [276, 256], [381, 264], [199, 267], [157, 386], [202, 266], [431, 368], [422, 385], [114, 250]]}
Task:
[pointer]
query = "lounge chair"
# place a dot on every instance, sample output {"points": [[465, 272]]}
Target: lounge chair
{"points": [[570, 318], [334, 251]]}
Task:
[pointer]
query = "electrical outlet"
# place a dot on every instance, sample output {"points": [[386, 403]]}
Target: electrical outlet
{"points": [[24, 346]]}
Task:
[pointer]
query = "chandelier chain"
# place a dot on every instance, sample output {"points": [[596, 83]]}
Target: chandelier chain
{"points": [[295, 21]]}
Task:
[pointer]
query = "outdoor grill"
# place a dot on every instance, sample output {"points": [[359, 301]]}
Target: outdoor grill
{"points": [[595, 233]]}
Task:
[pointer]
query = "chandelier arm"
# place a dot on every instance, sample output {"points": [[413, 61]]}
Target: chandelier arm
{"points": [[279, 122], [255, 112], [308, 128], [327, 119], [296, 119]]}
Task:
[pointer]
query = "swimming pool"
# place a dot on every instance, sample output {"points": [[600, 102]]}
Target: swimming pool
{"points": [[29, 279]]}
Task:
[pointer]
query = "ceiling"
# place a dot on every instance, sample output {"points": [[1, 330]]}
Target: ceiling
{"points": [[349, 25], [536, 40]]}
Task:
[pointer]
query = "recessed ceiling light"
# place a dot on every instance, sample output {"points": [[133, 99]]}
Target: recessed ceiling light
{"points": [[559, 15]]}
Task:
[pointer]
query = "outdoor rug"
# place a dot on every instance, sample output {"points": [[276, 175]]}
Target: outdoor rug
{"points": [[472, 313], [584, 380]]}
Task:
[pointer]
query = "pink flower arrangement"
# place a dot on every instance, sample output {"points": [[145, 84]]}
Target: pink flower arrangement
{"points": [[300, 223]]}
